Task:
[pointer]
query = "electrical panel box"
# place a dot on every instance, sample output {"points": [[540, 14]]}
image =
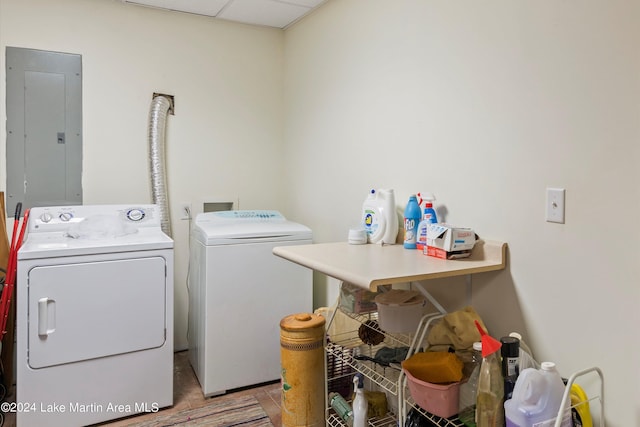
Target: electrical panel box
{"points": [[44, 128]]}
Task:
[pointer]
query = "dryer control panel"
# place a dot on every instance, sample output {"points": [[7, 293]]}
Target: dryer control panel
{"points": [[57, 218]]}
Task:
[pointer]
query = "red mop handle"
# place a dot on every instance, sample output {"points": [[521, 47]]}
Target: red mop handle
{"points": [[16, 221], [12, 248], [23, 228], [7, 292], [17, 247]]}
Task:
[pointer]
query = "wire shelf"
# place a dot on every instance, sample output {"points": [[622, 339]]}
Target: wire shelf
{"points": [[337, 351], [439, 421], [390, 420], [393, 339]]}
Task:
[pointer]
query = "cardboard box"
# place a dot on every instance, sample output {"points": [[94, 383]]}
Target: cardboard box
{"points": [[449, 242]]}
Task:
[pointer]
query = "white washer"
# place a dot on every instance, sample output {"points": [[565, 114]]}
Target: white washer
{"points": [[238, 293], [94, 315]]}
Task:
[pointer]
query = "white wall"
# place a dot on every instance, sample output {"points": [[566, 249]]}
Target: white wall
{"points": [[487, 104], [225, 139]]}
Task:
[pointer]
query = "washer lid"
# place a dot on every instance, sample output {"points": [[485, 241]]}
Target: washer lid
{"points": [[237, 227]]}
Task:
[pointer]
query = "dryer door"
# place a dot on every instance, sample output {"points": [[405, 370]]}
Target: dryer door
{"points": [[96, 309]]}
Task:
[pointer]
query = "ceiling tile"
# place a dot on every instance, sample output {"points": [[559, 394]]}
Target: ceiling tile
{"points": [[200, 7], [307, 3], [272, 13], [263, 12]]}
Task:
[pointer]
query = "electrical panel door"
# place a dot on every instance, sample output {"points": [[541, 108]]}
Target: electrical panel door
{"points": [[44, 128]]}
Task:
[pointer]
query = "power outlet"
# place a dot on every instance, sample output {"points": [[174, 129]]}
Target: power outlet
{"points": [[555, 205], [185, 211]]}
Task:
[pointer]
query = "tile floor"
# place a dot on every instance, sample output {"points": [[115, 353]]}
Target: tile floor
{"points": [[188, 394]]}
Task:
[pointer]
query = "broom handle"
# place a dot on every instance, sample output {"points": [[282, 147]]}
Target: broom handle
{"points": [[17, 247], [7, 292], [13, 252]]}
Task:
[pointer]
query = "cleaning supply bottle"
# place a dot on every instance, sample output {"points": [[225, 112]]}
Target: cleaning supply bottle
{"points": [[536, 399], [428, 217], [489, 400], [379, 217], [360, 404], [510, 363], [411, 220], [341, 407], [469, 389]]}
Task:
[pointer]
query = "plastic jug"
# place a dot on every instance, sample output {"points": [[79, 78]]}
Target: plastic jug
{"points": [[536, 399], [379, 217]]}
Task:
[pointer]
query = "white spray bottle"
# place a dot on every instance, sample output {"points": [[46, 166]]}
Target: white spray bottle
{"points": [[428, 217], [360, 404]]}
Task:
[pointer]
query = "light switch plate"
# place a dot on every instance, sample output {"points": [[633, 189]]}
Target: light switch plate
{"points": [[555, 205]]}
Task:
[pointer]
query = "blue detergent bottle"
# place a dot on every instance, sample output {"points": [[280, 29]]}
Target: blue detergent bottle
{"points": [[411, 221], [428, 217]]}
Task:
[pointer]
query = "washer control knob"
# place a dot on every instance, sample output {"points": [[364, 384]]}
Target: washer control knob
{"points": [[135, 214], [46, 217], [65, 216]]}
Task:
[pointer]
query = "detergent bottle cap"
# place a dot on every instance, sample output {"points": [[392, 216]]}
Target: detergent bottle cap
{"points": [[548, 366]]}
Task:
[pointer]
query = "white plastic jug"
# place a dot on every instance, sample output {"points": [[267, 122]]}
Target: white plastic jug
{"points": [[379, 217], [536, 399]]}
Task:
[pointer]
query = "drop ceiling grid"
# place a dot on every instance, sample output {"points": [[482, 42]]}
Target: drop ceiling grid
{"points": [[272, 13]]}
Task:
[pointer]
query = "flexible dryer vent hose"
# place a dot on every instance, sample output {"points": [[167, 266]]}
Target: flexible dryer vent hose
{"points": [[160, 106]]}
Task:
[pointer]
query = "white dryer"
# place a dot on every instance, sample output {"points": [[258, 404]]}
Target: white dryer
{"points": [[94, 300], [238, 293]]}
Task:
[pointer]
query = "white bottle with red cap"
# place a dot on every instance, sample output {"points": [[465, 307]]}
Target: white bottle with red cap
{"points": [[428, 217]]}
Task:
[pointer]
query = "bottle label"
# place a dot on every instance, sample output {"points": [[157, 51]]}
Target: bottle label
{"points": [[410, 226], [341, 407], [512, 366], [422, 235], [370, 221]]}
